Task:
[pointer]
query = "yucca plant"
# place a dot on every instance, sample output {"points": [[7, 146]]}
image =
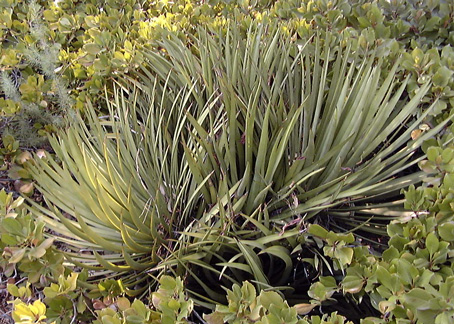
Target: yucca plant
{"points": [[288, 134], [118, 186], [212, 162]]}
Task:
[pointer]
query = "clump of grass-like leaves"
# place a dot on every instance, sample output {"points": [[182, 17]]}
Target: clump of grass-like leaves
{"points": [[216, 159]]}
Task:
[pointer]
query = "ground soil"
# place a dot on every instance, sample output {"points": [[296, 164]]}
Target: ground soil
{"points": [[5, 308]]}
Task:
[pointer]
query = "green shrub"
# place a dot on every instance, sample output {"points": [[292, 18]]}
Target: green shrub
{"points": [[63, 304], [169, 304], [29, 116], [76, 49], [412, 281], [205, 165], [244, 306], [286, 148], [249, 149], [23, 244], [61, 53], [127, 184]]}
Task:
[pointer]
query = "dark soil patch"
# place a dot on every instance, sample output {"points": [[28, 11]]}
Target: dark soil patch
{"points": [[5, 308]]}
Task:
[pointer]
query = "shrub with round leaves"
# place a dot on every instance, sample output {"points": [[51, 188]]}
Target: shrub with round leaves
{"points": [[58, 54]]}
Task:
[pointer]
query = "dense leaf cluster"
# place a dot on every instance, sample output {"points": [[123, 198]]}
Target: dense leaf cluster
{"points": [[268, 141], [59, 54]]}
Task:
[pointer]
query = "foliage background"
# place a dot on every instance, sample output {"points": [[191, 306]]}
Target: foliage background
{"points": [[56, 56]]}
